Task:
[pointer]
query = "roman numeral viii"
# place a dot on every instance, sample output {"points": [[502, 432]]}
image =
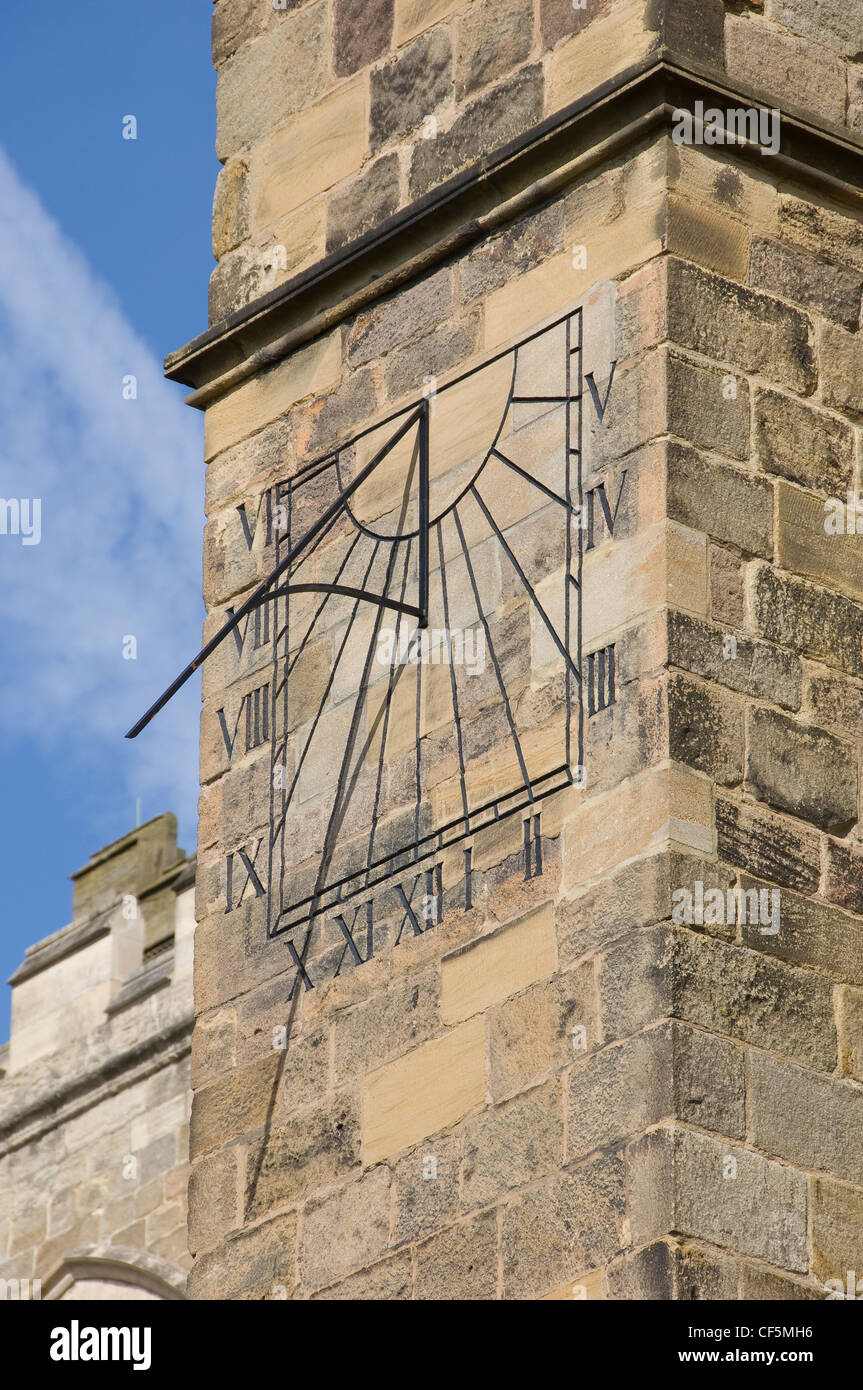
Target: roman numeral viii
{"points": [[256, 706]]}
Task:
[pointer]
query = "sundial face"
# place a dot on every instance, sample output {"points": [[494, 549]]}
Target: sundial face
{"points": [[424, 616], [435, 722]]}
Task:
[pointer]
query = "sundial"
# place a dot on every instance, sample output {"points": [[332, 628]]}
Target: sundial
{"points": [[425, 616]]}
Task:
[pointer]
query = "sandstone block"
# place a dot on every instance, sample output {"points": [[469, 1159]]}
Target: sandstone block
{"points": [[810, 620], [389, 1281], [512, 1144], [424, 1091], [253, 1265], [494, 118], [757, 669], [492, 39], [620, 1091], [832, 22], [768, 62], [357, 207], [359, 35], [410, 86], [234, 1105], [271, 79], [705, 730], [777, 850], [426, 1188], [812, 1121], [308, 154], [680, 1182], [801, 770], [503, 963], [700, 412], [844, 876], [315, 1147], [345, 1230], [568, 1223], [730, 323], [815, 283], [803, 444], [841, 358], [725, 502], [460, 1263]]}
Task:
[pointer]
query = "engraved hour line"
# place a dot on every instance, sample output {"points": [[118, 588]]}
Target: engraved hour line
{"points": [[453, 686], [528, 587], [344, 791], [521, 763], [385, 730], [325, 695]]}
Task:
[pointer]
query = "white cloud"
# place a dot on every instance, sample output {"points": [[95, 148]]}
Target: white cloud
{"points": [[121, 484]]}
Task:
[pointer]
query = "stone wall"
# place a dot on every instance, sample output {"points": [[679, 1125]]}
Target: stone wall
{"points": [[560, 1084], [95, 1092]]}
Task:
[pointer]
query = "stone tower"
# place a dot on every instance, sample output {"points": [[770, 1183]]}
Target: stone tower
{"points": [[529, 958]]}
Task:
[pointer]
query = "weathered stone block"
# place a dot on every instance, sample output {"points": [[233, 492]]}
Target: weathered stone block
{"points": [[705, 730], [699, 411], [512, 1144], [387, 1281], [237, 1104], [755, 668], [801, 770], [723, 501], [532, 1034], [671, 1270], [683, 1182], [269, 80], [844, 875], [315, 1147], [841, 358], [808, 1119], [773, 849], [620, 1091], [837, 1229], [410, 86], [850, 1019], [361, 205], [811, 933], [426, 1188], [815, 283], [770, 62], [560, 18], [743, 994], [492, 39], [805, 546], [496, 117], [733, 324], [345, 1230], [810, 620], [258, 1264], [833, 22], [701, 233], [460, 1263], [708, 1080], [806, 445], [360, 33], [407, 315], [231, 207], [837, 705], [726, 588], [564, 1225], [387, 1026]]}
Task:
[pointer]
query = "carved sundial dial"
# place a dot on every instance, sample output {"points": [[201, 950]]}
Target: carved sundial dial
{"points": [[425, 618]]}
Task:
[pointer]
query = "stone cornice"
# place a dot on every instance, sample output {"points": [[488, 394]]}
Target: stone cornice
{"points": [[492, 192]]}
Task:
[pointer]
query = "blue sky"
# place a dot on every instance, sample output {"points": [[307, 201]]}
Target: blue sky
{"points": [[104, 260]]}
